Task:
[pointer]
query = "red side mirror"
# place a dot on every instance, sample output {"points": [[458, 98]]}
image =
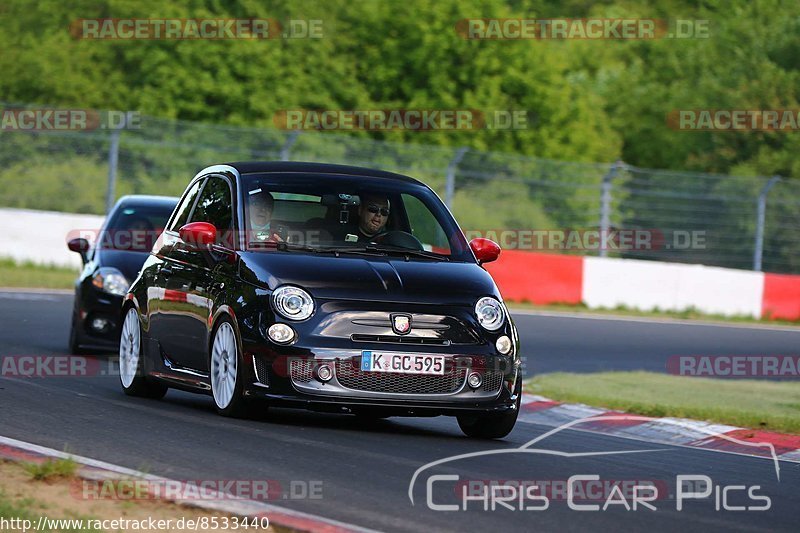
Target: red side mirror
{"points": [[198, 233], [486, 250], [80, 246]]}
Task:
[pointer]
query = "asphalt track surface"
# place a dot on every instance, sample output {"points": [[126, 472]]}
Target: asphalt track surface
{"points": [[364, 469]]}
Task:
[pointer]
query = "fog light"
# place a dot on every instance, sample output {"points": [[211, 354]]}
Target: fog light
{"points": [[503, 345], [281, 333], [474, 380], [324, 373], [100, 324]]}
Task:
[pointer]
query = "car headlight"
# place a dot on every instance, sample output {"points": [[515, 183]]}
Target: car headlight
{"points": [[111, 281], [293, 302], [490, 313]]}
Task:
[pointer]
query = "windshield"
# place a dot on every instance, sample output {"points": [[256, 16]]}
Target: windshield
{"points": [[349, 214], [135, 228]]}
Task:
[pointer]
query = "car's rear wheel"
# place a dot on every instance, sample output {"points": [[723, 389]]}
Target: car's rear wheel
{"points": [[492, 426], [226, 372], [131, 362]]}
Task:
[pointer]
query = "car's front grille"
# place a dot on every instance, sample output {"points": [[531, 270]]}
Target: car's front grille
{"points": [[397, 339], [350, 376]]}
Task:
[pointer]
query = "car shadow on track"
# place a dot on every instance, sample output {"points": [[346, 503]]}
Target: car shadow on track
{"points": [[304, 418]]}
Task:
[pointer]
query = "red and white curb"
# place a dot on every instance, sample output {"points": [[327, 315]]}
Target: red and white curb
{"points": [[674, 431], [15, 450]]}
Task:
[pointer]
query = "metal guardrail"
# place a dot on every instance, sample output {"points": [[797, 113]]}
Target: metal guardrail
{"points": [[739, 222]]}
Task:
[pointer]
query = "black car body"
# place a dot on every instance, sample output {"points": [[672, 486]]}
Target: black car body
{"points": [[111, 262], [318, 318]]}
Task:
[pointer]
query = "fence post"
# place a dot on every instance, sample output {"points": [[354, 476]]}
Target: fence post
{"points": [[605, 203], [113, 161], [760, 221], [287, 146], [450, 184]]}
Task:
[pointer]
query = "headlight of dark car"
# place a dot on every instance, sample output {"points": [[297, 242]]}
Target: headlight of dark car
{"points": [[293, 302], [111, 281], [490, 313]]}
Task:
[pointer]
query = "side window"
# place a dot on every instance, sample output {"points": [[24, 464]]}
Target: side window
{"points": [[215, 207], [424, 226], [185, 207]]}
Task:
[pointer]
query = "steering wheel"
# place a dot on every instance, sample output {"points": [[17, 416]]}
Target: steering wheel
{"points": [[401, 239]]}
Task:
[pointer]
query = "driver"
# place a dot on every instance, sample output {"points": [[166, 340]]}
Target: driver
{"points": [[261, 204], [373, 214]]}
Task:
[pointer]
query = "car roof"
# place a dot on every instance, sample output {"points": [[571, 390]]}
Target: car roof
{"points": [[146, 199], [257, 167]]}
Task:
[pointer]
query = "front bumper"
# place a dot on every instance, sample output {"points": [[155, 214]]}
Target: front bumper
{"points": [[291, 381], [409, 407], [98, 319]]}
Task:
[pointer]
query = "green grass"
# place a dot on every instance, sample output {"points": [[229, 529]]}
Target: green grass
{"points": [[22, 509], [621, 310], [58, 468], [30, 510], [30, 275], [757, 404]]}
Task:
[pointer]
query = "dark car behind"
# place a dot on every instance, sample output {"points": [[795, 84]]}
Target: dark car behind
{"points": [[111, 263]]}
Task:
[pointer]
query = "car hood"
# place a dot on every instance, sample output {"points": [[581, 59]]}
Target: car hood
{"points": [[370, 278], [127, 262]]}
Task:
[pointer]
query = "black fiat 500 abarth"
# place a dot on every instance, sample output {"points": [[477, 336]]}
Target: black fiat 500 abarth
{"points": [[326, 287]]}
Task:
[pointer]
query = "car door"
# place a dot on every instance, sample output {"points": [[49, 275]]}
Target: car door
{"points": [[194, 278], [171, 268]]}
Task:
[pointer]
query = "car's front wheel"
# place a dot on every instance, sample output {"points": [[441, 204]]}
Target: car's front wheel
{"points": [[226, 366], [131, 364], [492, 426], [74, 345]]}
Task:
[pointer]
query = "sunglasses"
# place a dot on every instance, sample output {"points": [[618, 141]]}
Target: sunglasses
{"points": [[375, 209]]}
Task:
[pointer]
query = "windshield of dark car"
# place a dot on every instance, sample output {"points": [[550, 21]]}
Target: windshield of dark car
{"points": [[134, 228], [325, 214]]}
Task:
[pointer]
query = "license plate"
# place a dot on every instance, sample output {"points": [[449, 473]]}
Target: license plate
{"points": [[402, 363]]}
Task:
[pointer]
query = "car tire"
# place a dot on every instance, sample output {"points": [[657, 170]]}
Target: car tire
{"points": [[131, 362], [226, 366], [492, 426]]}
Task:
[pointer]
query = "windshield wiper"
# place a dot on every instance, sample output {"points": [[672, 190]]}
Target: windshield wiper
{"points": [[352, 250], [287, 246], [406, 251], [368, 249]]}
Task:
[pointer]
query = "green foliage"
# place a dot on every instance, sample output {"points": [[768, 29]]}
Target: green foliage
{"points": [[587, 101], [51, 468]]}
